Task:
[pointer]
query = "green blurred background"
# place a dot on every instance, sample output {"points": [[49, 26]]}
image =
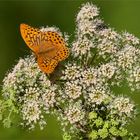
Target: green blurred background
{"points": [[120, 14]]}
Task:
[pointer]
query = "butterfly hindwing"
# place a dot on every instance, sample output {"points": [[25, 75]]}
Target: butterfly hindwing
{"points": [[47, 65]]}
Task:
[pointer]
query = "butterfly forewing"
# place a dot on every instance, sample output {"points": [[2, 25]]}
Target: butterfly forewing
{"points": [[31, 36], [62, 54], [62, 51]]}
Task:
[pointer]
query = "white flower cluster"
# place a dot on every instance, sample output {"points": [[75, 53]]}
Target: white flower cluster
{"points": [[71, 72], [102, 56], [86, 27], [74, 113], [134, 78], [89, 83], [12, 78], [89, 77], [88, 11], [52, 29], [106, 71], [32, 90], [122, 106], [130, 39], [82, 46], [73, 90], [98, 95], [108, 42], [127, 57], [109, 34]]}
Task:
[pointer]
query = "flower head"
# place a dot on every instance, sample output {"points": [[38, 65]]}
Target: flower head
{"points": [[73, 89], [88, 11], [74, 113], [122, 106]]}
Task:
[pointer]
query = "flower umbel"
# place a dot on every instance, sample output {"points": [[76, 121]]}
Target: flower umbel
{"points": [[81, 94]]}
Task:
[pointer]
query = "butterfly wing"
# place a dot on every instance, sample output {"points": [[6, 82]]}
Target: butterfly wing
{"points": [[46, 64], [62, 52], [31, 36], [54, 47], [49, 59], [49, 47]]}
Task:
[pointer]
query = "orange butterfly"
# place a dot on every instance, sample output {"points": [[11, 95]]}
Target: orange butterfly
{"points": [[49, 47]]}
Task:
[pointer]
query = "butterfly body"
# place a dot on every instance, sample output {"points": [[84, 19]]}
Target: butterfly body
{"points": [[49, 47]]}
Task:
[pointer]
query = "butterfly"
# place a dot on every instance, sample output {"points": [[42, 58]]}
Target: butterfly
{"points": [[48, 46]]}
